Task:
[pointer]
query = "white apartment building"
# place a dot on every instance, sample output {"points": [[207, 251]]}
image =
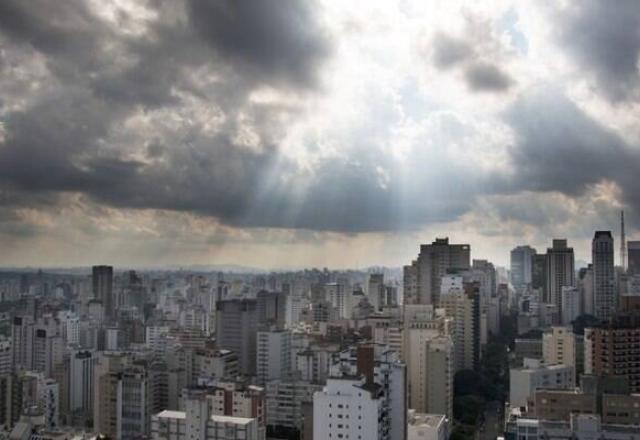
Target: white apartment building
{"points": [[180, 425], [349, 408], [385, 376]]}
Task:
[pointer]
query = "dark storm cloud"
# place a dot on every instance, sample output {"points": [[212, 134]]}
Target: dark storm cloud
{"points": [[487, 77], [271, 38], [50, 27], [63, 139], [480, 71], [560, 148], [449, 51], [604, 37]]}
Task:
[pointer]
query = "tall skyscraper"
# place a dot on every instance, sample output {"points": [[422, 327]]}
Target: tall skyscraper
{"points": [[376, 290], [102, 277], [464, 308], [410, 283], [633, 257], [539, 273], [236, 329], [623, 244], [522, 265], [585, 284], [81, 371], [560, 271], [604, 288], [434, 261]]}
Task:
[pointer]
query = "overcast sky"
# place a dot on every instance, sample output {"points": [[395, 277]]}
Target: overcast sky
{"points": [[279, 133]]}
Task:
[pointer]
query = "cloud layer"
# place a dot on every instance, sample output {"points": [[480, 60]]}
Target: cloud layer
{"points": [[307, 124]]}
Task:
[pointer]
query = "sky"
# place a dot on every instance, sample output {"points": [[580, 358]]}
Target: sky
{"points": [[283, 133]]}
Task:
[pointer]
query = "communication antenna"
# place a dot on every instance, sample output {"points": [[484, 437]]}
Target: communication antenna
{"points": [[623, 243]]}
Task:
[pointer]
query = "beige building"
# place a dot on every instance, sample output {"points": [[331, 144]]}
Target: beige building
{"points": [[427, 426], [429, 354], [559, 347], [464, 308], [620, 409], [560, 404], [422, 280]]}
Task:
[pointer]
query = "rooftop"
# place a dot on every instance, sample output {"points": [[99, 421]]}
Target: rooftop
{"points": [[420, 420], [229, 419], [167, 414]]}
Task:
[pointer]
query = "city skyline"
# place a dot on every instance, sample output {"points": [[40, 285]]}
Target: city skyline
{"points": [[319, 220], [329, 135]]}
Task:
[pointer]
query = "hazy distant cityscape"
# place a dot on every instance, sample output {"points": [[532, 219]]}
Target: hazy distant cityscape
{"points": [[448, 346]]}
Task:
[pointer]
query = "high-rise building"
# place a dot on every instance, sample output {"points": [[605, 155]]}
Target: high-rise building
{"points": [[337, 295], [604, 279], [522, 266], [484, 273], [539, 273], [434, 261], [6, 356], [436, 393], [376, 290], [560, 346], [611, 349], [560, 271], [271, 309], [349, 407], [571, 304], [429, 354], [410, 283], [102, 277], [273, 355], [633, 257], [10, 400], [285, 406], [236, 328], [41, 395], [365, 396], [21, 340], [585, 284], [122, 403], [464, 308], [81, 382]]}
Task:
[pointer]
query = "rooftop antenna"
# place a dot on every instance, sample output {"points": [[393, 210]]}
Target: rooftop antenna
{"points": [[623, 243]]}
